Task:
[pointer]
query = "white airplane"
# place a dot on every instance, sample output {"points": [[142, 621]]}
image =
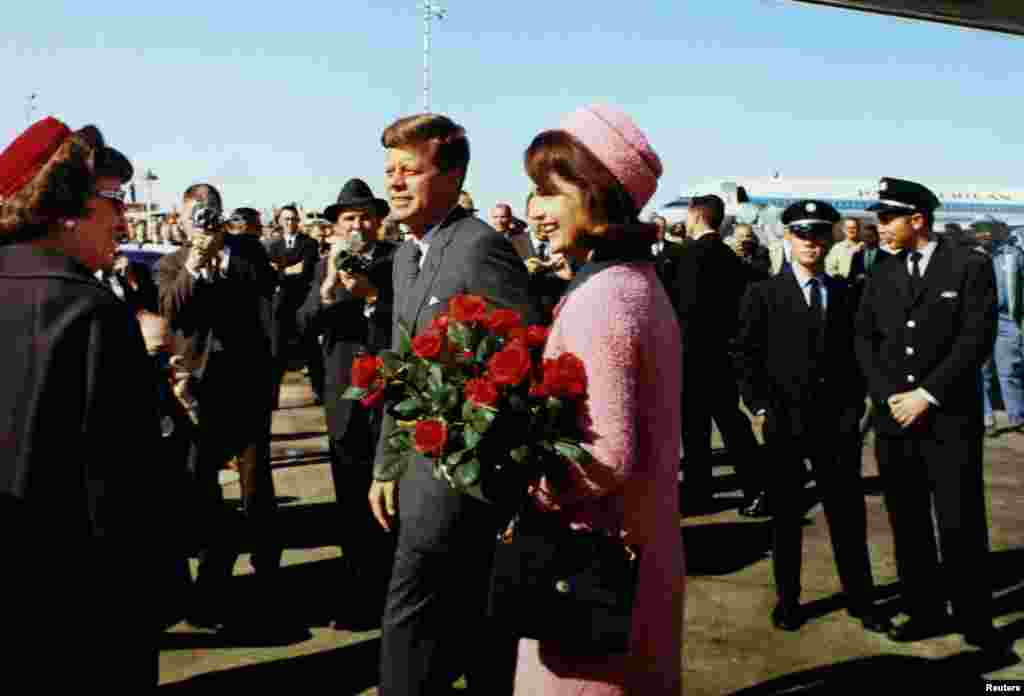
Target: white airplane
{"points": [[759, 201]]}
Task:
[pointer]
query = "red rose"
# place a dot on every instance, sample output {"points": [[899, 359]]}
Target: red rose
{"points": [[536, 336], [501, 321], [468, 308], [510, 365], [430, 436], [428, 344], [565, 376], [481, 391], [365, 369], [373, 400], [440, 322], [516, 334]]}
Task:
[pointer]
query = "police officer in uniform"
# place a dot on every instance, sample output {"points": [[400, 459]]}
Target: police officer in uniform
{"points": [[798, 374], [926, 324]]}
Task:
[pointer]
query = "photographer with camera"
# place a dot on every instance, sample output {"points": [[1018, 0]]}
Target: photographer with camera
{"points": [[350, 306], [217, 293]]}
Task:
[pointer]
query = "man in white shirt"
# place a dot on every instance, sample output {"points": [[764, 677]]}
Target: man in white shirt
{"points": [[837, 263]]}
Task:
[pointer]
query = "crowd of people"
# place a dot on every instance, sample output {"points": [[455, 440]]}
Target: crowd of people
{"points": [[677, 327]]}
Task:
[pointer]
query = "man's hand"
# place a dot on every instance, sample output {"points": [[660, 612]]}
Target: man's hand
{"points": [[357, 284], [204, 248], [384, 502], [908, 407], [561, 266]]}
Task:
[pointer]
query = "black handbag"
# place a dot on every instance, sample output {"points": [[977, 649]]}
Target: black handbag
{"points": [[552, 583]]}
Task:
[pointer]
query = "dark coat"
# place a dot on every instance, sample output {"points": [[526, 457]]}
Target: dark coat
{"points": [[465, 256], [781, 371], [231, 314], [949, 327], [347, 332], [80, 496], [665, 264], [144, 295], [291, 289], [760, 262], [709, 282]]}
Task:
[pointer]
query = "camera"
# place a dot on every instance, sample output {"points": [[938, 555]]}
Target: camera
{"points": [[206, 218], [350, 263]]}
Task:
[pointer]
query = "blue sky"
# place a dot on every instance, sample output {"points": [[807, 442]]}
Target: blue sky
{"points": [[285, 101]]}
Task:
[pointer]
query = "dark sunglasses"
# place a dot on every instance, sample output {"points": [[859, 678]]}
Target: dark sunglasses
{"points": [[117, 197]]}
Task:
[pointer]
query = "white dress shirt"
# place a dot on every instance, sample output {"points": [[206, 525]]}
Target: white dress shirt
{"points": [[926, 256]]}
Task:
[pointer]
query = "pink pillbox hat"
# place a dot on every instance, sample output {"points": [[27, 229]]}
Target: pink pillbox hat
{"points": [[612, 136]]}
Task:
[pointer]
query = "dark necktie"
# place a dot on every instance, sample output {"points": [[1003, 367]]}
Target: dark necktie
{"points": [[915, 271], [869, 258], [818, 316], [414, 260], [816, 306], [542, 250]]}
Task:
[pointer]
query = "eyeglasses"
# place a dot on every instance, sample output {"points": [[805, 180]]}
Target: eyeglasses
{"points": [[116, 196]]}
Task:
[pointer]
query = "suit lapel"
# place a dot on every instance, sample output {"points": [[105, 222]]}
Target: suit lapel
{"points": [[425, 281], [939, 267]]}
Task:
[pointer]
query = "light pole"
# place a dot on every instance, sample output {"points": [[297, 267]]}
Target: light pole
{"points": [[150, 177], [30, 107], [431, 11]]}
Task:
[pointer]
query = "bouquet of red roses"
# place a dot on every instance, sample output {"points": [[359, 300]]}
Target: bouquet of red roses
{"points": [[473, 394]]}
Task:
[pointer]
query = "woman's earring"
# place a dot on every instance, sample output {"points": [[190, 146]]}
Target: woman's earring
{"points": [[70, 224]]}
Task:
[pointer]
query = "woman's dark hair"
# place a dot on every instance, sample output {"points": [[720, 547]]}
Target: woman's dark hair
{"points": [[556, 152], [59, 191]]}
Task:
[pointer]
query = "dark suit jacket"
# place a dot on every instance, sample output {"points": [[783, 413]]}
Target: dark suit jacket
{"points": [[803, 387], [231, 314], [291, 289], [466, 256], [709, 283], [347, 332], [950, 327], [665, 265], [145, 295], [760, 262]]}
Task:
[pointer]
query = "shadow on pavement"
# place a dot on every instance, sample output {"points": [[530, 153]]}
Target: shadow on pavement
{"points": [[747, 543], [887, 674], [347, 670]]}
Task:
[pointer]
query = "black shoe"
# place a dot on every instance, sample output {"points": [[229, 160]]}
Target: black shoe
{"points": [[986, 637], [872, 620], [787, 617], [920, 628], [758, 507]]}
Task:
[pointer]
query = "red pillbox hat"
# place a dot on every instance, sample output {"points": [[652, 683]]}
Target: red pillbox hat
{"points": [[28, 154]]}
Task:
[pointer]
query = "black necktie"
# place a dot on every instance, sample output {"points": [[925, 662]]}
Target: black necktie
{"points": [[816, 306], [818, 315], [915, 271], [542, 250], [414, 260]]}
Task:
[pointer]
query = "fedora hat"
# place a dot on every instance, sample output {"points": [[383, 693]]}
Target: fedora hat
{"points": [[356, 194]]}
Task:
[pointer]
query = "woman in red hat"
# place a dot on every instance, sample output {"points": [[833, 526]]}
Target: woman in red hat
{"points": [[78, 419]]}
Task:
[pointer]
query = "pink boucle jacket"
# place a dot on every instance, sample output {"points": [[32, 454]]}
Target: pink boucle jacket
{"points": [[622, 325]]}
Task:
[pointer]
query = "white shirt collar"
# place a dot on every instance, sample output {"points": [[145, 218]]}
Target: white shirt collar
{"points": [[926, 254], [803, 277]]}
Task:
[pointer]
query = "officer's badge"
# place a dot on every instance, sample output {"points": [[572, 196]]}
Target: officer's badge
{"points": [[883, 185], [810, 207]]}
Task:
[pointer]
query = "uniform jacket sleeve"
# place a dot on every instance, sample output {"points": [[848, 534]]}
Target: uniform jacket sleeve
{"points": [[755, 322]]}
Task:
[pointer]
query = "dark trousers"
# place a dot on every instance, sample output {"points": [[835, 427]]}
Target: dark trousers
{"points": [[234, 421], [434, 627], [710, 393], [922, 474], [368, 551], [308, 350], [836, 466]]}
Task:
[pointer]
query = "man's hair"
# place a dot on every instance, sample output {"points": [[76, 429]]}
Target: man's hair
{"points": [[451, 147], [605, 199], [502, 206], [205, 194], [854, 220], [711, 207], [291, 207]]}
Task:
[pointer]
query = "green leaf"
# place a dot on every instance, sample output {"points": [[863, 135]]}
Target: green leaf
{"points": [[482, 419], [469, 410], [453, 459], [447, 397], [354, 393], [471, 436], [487, 346], [400, 441], [573, 453], [409, 407], [520, 454], [467, 473], [459, 334], [392, 360], [404, 339], [436, 380]]}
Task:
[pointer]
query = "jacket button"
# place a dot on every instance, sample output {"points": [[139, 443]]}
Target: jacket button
{"points": [[910, 350], [562, 586], [911, 324], [910, 378]]}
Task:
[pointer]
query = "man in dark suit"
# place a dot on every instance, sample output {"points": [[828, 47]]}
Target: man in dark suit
{"points": [[709, 283], [666, 256], [217, 293], [751, 253], [434, 627], [926, 324], [132, 282], [294, 256], [798, 374], [353, 314]]}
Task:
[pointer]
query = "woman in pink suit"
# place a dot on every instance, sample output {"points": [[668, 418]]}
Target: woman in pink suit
{"points": [[593, 176]]}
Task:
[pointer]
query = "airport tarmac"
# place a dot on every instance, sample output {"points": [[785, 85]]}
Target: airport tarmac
{"points": [[730, 646]]}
